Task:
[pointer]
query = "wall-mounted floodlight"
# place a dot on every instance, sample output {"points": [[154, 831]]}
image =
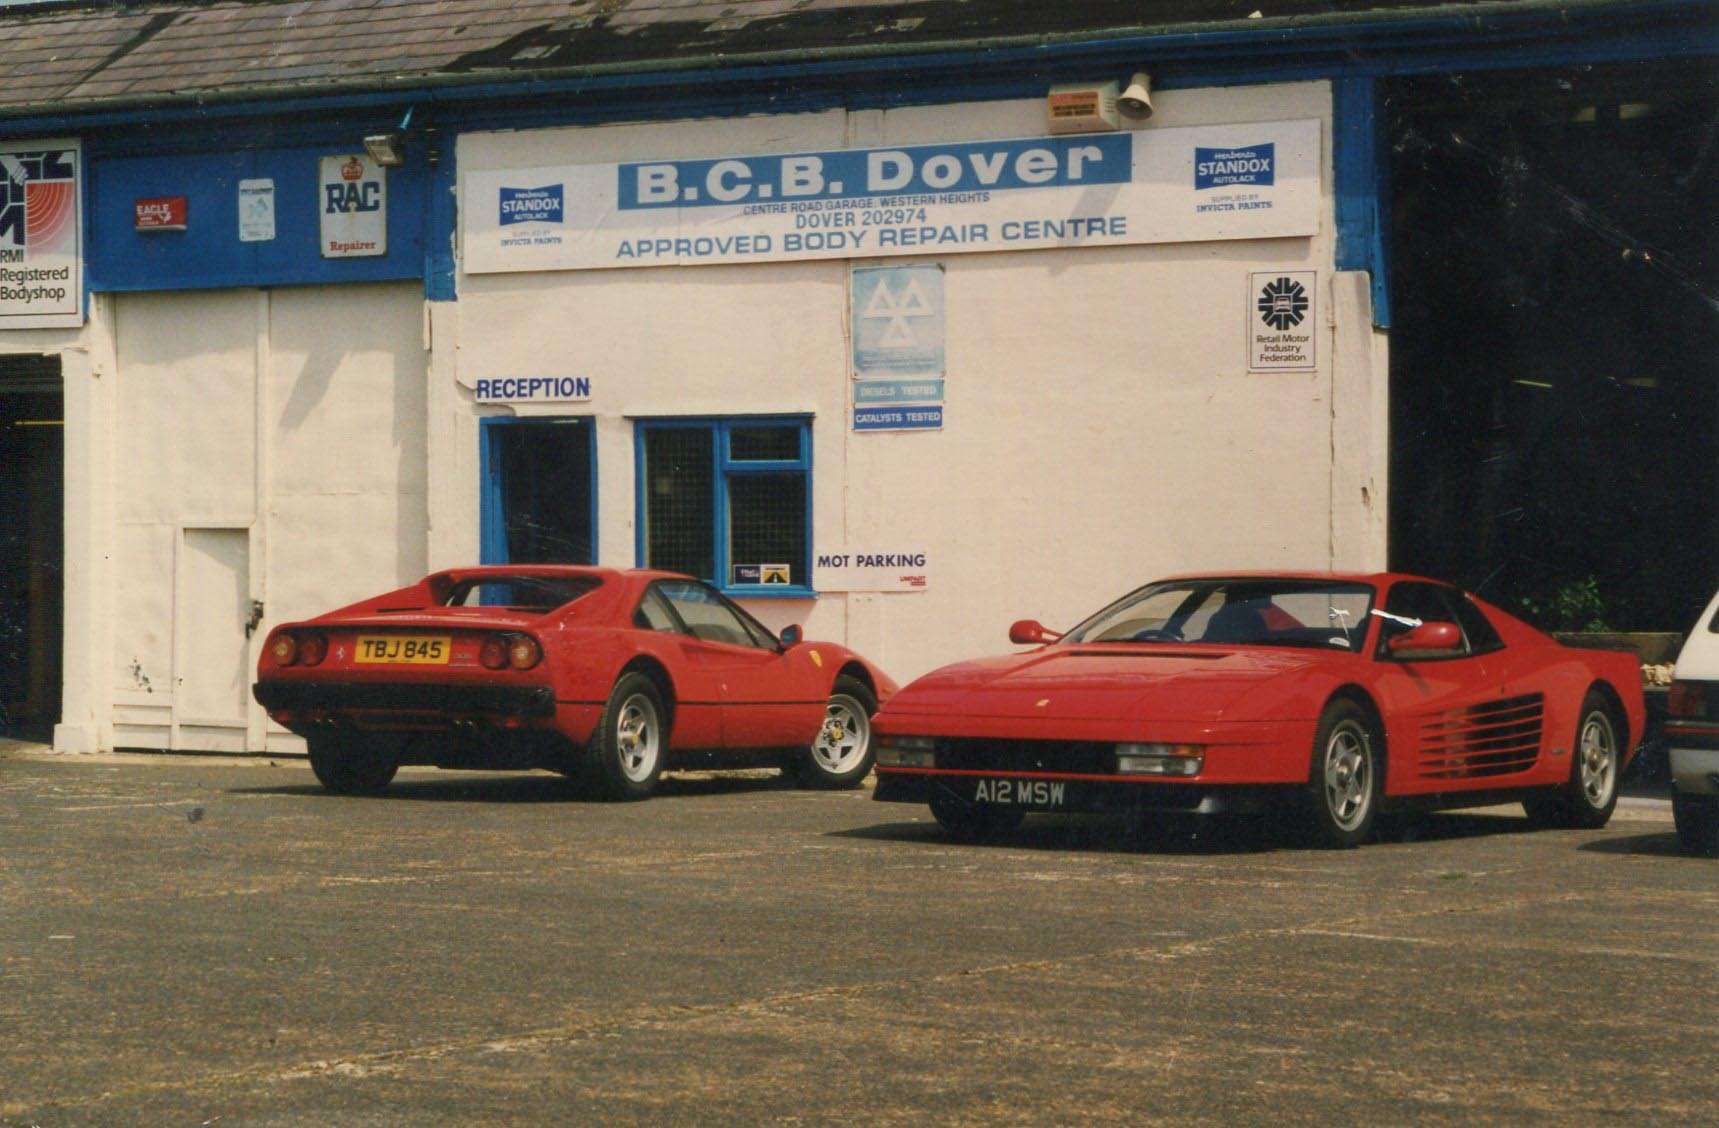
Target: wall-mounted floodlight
{"points": [[386, 149], [389, 149]]}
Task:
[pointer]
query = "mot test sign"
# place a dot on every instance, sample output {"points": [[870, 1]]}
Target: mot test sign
{"points": [[1258, 180], [41, 235]]}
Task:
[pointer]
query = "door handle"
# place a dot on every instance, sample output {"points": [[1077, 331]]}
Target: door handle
{"points": [[256, 617]]}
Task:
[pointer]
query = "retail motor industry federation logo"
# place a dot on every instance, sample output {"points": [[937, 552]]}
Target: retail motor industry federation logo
{"points": [[1283, 303]]}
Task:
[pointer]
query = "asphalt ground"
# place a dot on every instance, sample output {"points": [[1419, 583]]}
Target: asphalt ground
{"points": [[189, 941]]}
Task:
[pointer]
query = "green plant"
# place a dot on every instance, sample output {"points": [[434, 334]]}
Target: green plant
{"points": [[1575, 606]]}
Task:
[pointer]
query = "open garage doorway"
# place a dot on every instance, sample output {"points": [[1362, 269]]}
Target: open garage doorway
{"points": [[32, 581], [1555, 339]]}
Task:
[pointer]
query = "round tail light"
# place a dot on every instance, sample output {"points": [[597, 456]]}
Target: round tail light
{"points": [[284, 649], [523, 652], [312, 648], [493, 652]]}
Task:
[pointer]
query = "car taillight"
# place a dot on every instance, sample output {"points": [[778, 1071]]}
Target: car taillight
{"points": [[523, 652], [493, 652], [284, 649], [312, 648], [1687, 699]]}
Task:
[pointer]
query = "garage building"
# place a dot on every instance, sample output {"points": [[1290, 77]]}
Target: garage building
{"points": [[303, 300]]}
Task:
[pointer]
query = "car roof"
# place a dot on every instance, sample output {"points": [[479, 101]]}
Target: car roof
{"points": [[554, 571], [1377, 579]]}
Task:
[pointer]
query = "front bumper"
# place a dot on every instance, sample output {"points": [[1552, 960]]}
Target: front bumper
{"points": [[335, 699], [1052, 793]]}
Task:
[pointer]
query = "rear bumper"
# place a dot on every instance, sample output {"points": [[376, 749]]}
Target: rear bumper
{"points": [[1695, 770], [451, 701], [1051, 793]]}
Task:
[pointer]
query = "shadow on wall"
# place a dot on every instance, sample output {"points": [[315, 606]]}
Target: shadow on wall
{"points": [[366, 322]]}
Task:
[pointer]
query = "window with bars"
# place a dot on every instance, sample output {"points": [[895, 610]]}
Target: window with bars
{"points": [[728, 500]]}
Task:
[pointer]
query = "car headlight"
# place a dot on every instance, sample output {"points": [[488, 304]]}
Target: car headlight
{"points": [[1160, 759], [906, 751]]}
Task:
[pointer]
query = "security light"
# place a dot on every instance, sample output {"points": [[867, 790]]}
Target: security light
{"points": [[386, 149]]}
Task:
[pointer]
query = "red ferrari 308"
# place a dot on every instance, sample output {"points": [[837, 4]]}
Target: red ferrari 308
{"points": [[1342, 695], [606, 675]]}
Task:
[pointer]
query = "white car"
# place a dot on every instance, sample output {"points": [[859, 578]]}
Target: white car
{"points": [[1692, 729]]}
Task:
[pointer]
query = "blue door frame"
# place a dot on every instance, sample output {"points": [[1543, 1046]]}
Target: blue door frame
{"points": [[492, 515]]}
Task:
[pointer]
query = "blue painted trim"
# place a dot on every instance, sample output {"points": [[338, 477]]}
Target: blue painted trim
{"points": [[441, 221], [1359, 184], [492, 523], [492, 515], [1314, 49], [723, 468]]}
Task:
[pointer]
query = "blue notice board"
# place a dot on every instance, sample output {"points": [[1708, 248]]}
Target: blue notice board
{"points": [[927, 417]]}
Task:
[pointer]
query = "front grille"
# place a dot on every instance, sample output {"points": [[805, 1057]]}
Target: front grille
{"points": [[1079, 757], [1497, 738]]}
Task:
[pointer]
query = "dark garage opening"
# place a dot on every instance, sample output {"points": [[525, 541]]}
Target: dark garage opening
{"points": [[31, 545], [1555, 340]]}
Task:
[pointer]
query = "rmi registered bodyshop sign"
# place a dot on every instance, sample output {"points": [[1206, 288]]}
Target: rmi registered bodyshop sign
{"points": [[41, 235], [1150, 186]]}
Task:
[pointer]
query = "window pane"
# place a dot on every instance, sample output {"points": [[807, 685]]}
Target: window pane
{"points": [[536, 593], [764, 444], [680, 503], [546, 491], [653, 614], [767, 525], [706, 615]]}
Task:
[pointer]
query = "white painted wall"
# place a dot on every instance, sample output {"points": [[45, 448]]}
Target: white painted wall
{"points": [[1101, 427], [267, 445]]}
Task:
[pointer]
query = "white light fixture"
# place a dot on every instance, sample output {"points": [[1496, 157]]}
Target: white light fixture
{"points": [[386, 149], [389, 149]]}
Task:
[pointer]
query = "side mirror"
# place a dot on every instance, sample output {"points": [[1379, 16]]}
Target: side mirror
{"points": [[1031, 632], [791, 635], [1428, 637]]}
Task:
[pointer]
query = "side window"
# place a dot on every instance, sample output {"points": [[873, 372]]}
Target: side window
{"points": [[707, 615], [654, 615], [1426, 602], [728, 501], [1482, 636]]}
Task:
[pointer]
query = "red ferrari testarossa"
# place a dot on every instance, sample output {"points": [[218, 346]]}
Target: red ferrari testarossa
{"points": [[1341, 695], [609, 676]]}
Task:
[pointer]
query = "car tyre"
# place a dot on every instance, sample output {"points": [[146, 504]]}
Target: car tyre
{"points": [[1588, 797], [346, 765], [841, 756], [1346, 781], [1697, 818], [625, 757], [972, 822]]}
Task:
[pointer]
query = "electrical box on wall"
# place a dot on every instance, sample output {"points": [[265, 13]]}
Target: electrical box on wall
{"points": [[1086, 108]]}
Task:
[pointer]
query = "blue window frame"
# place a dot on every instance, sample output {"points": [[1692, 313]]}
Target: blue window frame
{"points": [[728, 500], [539, 490]]}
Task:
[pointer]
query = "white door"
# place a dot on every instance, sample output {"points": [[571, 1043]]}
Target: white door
{"points": [[212, 652]]}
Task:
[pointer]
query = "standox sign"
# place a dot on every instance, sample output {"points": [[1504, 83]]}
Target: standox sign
{"points": [[1228, 168], [159, 213], [530, 205]]}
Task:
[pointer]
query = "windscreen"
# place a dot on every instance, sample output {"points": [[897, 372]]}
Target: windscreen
{"points": [[1325, 615], [520, 593]]}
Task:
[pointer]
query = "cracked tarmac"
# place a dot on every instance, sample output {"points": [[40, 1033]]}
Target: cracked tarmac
{"points": [[191, 941]]}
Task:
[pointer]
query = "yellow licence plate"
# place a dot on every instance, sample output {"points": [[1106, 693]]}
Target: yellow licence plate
{"points": [[415, 650]]}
